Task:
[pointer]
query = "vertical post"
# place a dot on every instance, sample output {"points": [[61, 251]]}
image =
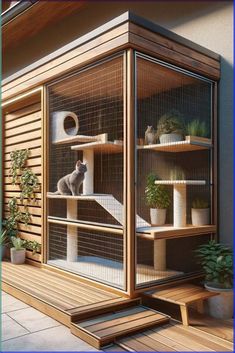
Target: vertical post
{"points": [[160, 255], [179, 205], [88, 183], [72, 239], [130, 173], [45, 173]]}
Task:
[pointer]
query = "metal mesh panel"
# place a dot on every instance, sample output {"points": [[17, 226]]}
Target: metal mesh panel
{"points": [[95, 96], [161, 90]]}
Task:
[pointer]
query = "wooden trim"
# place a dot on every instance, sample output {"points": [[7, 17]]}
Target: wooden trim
{"points": [[214, 158], [45, 133], [130, 174], [125, 232], [37, 304]]}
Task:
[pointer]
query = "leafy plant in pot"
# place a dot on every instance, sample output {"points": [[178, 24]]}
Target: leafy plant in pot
{"points": [[158, 199], [197, 128], [200, 212], [171, 127], [217, 263], [18, 251]]}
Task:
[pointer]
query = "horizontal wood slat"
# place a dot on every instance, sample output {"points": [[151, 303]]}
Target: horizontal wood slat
{"points": [[22, 138], [30, 203], [37, 142], [15, 131], [26, 119], [34, 220], [30, 237], [30, 162], [30, 228], [33, 152], [37, 211], [30, 109], [35, 169]]}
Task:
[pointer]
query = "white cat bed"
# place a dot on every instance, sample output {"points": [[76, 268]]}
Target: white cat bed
{"points": [[64, 124]]}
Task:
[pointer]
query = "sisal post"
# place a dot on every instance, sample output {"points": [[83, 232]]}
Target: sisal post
{"points": [[160, 255], [72, 239], [179, 205], [88, 183]]}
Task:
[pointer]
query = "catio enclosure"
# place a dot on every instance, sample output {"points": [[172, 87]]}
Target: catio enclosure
{"points": [[106, 109]]}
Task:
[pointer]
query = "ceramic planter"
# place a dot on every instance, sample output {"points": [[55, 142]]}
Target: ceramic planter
{"points": [[200, 216], [158, 216], [220, 306], [17, 256], [169, 138]]}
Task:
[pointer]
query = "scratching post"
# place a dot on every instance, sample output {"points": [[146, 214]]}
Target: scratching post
{"points": [[160, 255], [179, 205], [72, 241], [88, 183]]}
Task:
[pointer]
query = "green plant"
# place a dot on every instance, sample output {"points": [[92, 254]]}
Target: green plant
{"points": [[197, 128], [28, 184], [200, 203], [33, 245], [217, 262], [177, 173], [4, 238], [157, 196], [15, 216], [171, 122], [18, 243], [18, 159]]}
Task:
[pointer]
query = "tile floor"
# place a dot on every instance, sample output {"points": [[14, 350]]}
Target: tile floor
{"points": [[27, 329]]}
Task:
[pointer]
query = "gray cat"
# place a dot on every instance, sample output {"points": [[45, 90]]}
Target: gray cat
{"points": [[70, 183], [150, 136]]}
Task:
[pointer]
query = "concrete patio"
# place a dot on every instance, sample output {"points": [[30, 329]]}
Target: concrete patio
{"points": [[27, 329]]}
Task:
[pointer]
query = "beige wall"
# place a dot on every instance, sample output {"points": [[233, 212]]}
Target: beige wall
{"points": [[207, 23]]}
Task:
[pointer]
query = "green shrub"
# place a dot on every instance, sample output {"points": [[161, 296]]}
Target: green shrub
{"points": [[217, 263], [197, 128], [157, 196]]}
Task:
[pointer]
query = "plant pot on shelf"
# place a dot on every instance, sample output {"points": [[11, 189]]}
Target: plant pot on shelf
{"points": [[17, 256], [220, 306], [200, 216], [157, 216], [169, 138]]}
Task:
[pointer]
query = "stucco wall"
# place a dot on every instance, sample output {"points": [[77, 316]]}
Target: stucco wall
{"points": [[207, 23]]}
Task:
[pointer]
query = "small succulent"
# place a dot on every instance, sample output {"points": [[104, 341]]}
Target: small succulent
{"points": [[197, 128], [200, 203], [18, 243]]}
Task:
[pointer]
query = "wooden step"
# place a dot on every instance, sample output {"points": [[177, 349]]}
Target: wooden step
{"points": [[104, 329]]}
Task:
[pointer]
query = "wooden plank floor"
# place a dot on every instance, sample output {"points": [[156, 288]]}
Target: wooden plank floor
{"points": [[62, 298], [104, 329], [170, 338]]}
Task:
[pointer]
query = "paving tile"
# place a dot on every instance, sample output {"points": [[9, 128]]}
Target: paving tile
{"points": [[11, 329], [53, 339], [32, 319], [10, 303]]}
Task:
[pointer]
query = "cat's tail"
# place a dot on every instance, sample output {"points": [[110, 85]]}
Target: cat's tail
{"points": [[54, 193]]}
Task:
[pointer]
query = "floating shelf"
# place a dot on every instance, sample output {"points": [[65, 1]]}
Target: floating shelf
{"points": [[181, 182], [98, 146], [191, 143], [82, 139], [168, 231], [81, 197]]}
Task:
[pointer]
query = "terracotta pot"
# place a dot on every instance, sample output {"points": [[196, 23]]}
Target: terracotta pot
{"points": [[220, 306], [158, 216], [200, 216], [17, 256], [169, 138]]}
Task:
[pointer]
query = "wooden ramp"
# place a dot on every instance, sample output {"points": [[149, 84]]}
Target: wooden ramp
{"points": [[106, 328], [60, 297]]}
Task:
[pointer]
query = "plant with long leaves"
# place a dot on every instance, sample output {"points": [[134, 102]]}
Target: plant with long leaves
{"points": [[157, 196]]}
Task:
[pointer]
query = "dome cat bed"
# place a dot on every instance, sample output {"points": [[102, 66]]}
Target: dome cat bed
{"points": [[64, 124]]}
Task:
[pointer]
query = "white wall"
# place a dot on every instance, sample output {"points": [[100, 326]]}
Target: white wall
{"points": [[207, 23]]}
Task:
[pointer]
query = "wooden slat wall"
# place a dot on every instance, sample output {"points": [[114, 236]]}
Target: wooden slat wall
{"points": [[23, 129]]}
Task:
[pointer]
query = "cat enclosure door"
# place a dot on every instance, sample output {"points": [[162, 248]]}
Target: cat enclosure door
{"points": [[86, 230], [173, 169]]}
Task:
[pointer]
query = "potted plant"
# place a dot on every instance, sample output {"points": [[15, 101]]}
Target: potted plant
{"points": [[217, 262], [197, 128], [158, 199], [170, 127], [4, 243], [18, 251], [200, 212]]}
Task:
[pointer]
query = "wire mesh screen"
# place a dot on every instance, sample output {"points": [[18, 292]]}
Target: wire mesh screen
{"points": [[86, 172], [173, 163]]}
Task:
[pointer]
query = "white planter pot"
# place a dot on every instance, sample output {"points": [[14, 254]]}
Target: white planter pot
{"points": [[220, 306], [168, 138], [17, 256], [200, 216], [157, 216]]}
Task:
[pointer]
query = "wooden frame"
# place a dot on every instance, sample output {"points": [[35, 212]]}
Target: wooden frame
{"points": [[127, 33]]}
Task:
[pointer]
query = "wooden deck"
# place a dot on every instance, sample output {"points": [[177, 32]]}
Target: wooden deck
{"points": [[107, 320]]}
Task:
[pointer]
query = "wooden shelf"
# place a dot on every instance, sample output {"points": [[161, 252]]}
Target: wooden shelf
{"points": [[180, 182], [82, 139], [98, 146], [191, 143], [168, 231], [81, 197]]}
